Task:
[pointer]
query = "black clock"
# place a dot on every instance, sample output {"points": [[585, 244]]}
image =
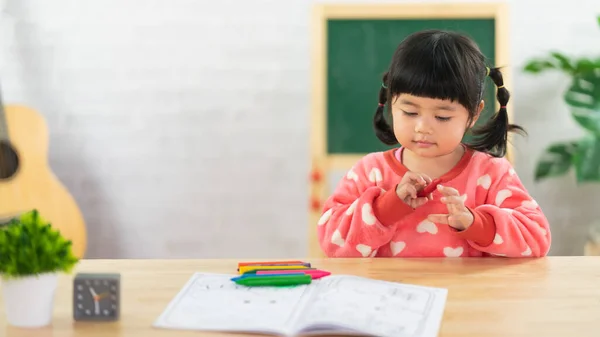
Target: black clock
{"points": [[96, 297]]}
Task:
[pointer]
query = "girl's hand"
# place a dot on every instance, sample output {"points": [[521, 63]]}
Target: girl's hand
{"points": [[459, 216], [408, 187]]}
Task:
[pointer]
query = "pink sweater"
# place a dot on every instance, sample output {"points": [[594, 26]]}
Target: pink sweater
{"points": [[365, 218]]}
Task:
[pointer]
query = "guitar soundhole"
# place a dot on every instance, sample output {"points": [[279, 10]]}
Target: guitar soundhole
{"points": [[9, 160]]}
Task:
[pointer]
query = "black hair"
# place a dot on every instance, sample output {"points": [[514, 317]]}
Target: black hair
{"points": [[445, 65]]}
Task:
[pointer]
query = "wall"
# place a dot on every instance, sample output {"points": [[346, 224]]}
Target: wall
{"points": [[181, 127]]}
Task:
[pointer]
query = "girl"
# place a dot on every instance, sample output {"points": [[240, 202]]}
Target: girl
{"points": [[433, 195]]}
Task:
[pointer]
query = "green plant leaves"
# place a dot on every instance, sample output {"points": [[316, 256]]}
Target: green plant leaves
{"points": [[559, 158], [559, 61], [556, 160], [555, 60], [583, 98], [30, 246], [538, 65], [587, 159]]}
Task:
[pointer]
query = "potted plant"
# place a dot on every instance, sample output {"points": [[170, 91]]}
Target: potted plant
{"points": [[32, 255], [583, 99]]}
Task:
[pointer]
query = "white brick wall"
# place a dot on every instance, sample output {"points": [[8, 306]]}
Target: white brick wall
{"points": [[162, 115]]}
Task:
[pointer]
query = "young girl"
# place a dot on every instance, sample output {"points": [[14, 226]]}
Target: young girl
{"points": [[433, 195]]}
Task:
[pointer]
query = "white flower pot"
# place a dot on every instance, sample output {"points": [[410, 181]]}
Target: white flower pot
{"points": [[29, 301]]}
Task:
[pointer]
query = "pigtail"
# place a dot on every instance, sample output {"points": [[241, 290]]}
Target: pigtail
{"points": [[493, 136], [383, 130]]}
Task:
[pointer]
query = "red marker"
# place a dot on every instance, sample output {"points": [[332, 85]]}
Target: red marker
{"points": [[428, 189], [314, 273]]}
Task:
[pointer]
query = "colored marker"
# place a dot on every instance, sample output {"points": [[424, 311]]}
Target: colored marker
{"points": [[268, 262], [314, 273], [282, 280], [244, 269], [428, 189], [263, 276], [254, 275], [255, 271], [283, 264]]}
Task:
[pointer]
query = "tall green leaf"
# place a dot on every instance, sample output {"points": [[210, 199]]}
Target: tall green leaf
{"points": [[563, 62], [587, 159], [556, 160], [583, 98], [584, 65], [538, 65]]}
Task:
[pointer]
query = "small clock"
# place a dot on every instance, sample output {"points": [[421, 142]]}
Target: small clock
{"points": [[96, 297]]}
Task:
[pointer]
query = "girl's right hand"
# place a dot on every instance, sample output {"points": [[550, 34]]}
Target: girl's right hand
{"points": [[408, 187]]}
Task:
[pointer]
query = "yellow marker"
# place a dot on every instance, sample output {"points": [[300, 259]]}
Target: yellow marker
{"points": [[244, 269]]}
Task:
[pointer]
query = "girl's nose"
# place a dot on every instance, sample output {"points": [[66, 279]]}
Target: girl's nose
{"points": [[422, 126]]}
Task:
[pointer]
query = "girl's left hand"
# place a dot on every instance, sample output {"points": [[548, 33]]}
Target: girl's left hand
{"points": [[459, 216]]}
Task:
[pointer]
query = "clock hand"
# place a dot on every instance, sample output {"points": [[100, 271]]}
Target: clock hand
{"points": [[97, 306], [93, 292], [101, 296]]}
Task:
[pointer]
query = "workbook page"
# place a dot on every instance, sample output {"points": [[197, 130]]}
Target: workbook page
{"points": [[214, 302], [361, 305]]}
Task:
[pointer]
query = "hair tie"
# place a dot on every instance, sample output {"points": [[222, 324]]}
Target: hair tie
{"points": [[487, 69], [381, 104], [503, 107], [383, 85], [500, 86]]}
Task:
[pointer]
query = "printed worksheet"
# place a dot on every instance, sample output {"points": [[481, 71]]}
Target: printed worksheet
{"points": [[333, 304]]}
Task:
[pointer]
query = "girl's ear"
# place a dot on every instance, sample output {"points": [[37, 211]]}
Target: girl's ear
{"points": [[477, 114]]}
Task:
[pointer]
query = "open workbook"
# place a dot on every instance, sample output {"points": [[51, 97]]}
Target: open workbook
{"points": [[337, 304]]}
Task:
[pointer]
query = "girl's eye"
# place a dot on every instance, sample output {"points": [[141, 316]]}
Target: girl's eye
{"points": [[409, 113], [443, 119]]}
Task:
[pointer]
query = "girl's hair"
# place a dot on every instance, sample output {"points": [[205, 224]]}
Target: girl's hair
{"points": [[445, 65]]}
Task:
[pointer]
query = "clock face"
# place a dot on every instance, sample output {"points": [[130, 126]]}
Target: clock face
{"points": [[95, 299]]}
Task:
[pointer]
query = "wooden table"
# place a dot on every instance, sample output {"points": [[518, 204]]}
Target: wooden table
{"points": [[554, 296]]}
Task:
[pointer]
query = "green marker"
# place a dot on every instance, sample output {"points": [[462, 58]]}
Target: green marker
{"points": [[280, 280]]}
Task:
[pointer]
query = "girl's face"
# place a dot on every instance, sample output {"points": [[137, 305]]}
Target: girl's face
{"points": [[430, 127]]}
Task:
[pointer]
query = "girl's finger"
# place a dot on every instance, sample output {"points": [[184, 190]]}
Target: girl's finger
{"points": [[453, 199], [427, 179], [447, 190], [412, 191], [421, 201], [415, 178]]}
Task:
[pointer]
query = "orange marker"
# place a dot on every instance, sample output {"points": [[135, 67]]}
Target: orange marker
{"points": [[314, 273]]}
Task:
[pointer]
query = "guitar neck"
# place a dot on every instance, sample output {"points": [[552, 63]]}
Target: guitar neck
{"points": [[3, 124]]}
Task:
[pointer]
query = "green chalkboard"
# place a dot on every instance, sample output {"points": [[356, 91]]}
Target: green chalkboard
{"points": [[358, 53]]}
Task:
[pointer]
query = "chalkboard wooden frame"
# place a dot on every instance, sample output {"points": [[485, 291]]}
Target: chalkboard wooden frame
{"points": [[323, 163]]}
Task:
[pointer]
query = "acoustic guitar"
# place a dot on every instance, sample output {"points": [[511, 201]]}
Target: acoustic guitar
{"points": [[26, 180]]}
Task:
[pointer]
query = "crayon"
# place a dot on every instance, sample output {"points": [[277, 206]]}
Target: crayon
{"points": [[270, 280], [306, 264], [255, 271], [244, 269], [269, 262], [314, 273], [428, 189]]}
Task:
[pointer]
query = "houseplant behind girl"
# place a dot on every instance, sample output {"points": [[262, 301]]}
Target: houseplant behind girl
{"points": [[433, 195]]}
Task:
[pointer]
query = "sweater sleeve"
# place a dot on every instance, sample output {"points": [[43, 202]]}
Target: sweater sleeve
{"points": [[360, 216], [512, 221]]}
